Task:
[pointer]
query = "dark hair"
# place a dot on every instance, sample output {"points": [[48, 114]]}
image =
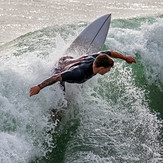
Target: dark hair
{"points": [[103, 60]]}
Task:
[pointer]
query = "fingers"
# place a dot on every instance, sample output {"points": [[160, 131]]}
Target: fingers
{"points": [[34, 90], [133, 60], [31, 92], [130, 59]]}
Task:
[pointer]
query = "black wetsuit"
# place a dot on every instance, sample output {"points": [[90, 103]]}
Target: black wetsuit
{"points": [[82, 70]]}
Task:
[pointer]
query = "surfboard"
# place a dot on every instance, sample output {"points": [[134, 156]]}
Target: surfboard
{"points": [[92, 38]]}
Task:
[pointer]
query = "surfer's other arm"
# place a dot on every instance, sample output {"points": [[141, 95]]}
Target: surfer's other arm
{"points": [[127, 58], [36, 89]]}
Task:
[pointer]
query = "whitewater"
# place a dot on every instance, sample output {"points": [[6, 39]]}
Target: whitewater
{"points": [[109, 119]]}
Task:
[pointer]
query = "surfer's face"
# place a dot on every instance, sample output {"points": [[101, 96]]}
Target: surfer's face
{"points": [[103, 70]]}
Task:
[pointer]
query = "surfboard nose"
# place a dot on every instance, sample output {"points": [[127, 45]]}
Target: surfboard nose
{"points": [[92, 38]]}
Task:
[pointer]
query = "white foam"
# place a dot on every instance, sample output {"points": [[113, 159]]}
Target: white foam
{"points": [[153, 56], [147, 42], [25, 121], [15, 148], [115, 121]]}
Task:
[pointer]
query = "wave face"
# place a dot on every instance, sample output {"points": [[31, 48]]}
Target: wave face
{"points": [[112, 118]]}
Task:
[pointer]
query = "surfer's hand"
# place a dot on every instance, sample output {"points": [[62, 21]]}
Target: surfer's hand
{"points": [[34, 90], [129, 59]]}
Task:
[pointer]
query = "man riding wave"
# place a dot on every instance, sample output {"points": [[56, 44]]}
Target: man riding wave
{"points": [[80, 70]]}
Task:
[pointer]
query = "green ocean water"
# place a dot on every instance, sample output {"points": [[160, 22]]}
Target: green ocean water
{"points": [[112, 118]]}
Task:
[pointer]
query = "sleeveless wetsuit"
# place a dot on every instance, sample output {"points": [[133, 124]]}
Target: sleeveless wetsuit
{"points": [[82, 69]]}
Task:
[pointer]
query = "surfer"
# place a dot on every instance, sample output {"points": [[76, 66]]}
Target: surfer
{"points": [[80, 70]]}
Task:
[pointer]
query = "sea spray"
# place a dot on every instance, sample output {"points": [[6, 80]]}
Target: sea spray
{"points": [[115, 121], [26, 121], [146, 41]]}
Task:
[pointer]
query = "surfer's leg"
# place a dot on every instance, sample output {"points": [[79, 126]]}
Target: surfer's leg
{"points": [[62, 84], [64, 60], [62, 63], [57, 114]]}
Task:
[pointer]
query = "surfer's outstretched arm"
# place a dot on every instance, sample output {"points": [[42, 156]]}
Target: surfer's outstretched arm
{"points": [[127, 58], [36, 89]]}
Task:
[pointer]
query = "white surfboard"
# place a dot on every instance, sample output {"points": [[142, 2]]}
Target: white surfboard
{"points": [[92, 38]]}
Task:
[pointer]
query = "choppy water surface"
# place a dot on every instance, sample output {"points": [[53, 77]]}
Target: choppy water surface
{"points": [[112, 118]]}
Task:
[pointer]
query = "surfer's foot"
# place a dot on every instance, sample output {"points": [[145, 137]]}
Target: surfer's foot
{"points": [[57, 114]]}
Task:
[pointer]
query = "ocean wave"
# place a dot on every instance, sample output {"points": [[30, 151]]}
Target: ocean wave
{"points": [[109, 118]]}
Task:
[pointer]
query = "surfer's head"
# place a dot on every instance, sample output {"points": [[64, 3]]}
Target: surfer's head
{"points": [[102, 64]]}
